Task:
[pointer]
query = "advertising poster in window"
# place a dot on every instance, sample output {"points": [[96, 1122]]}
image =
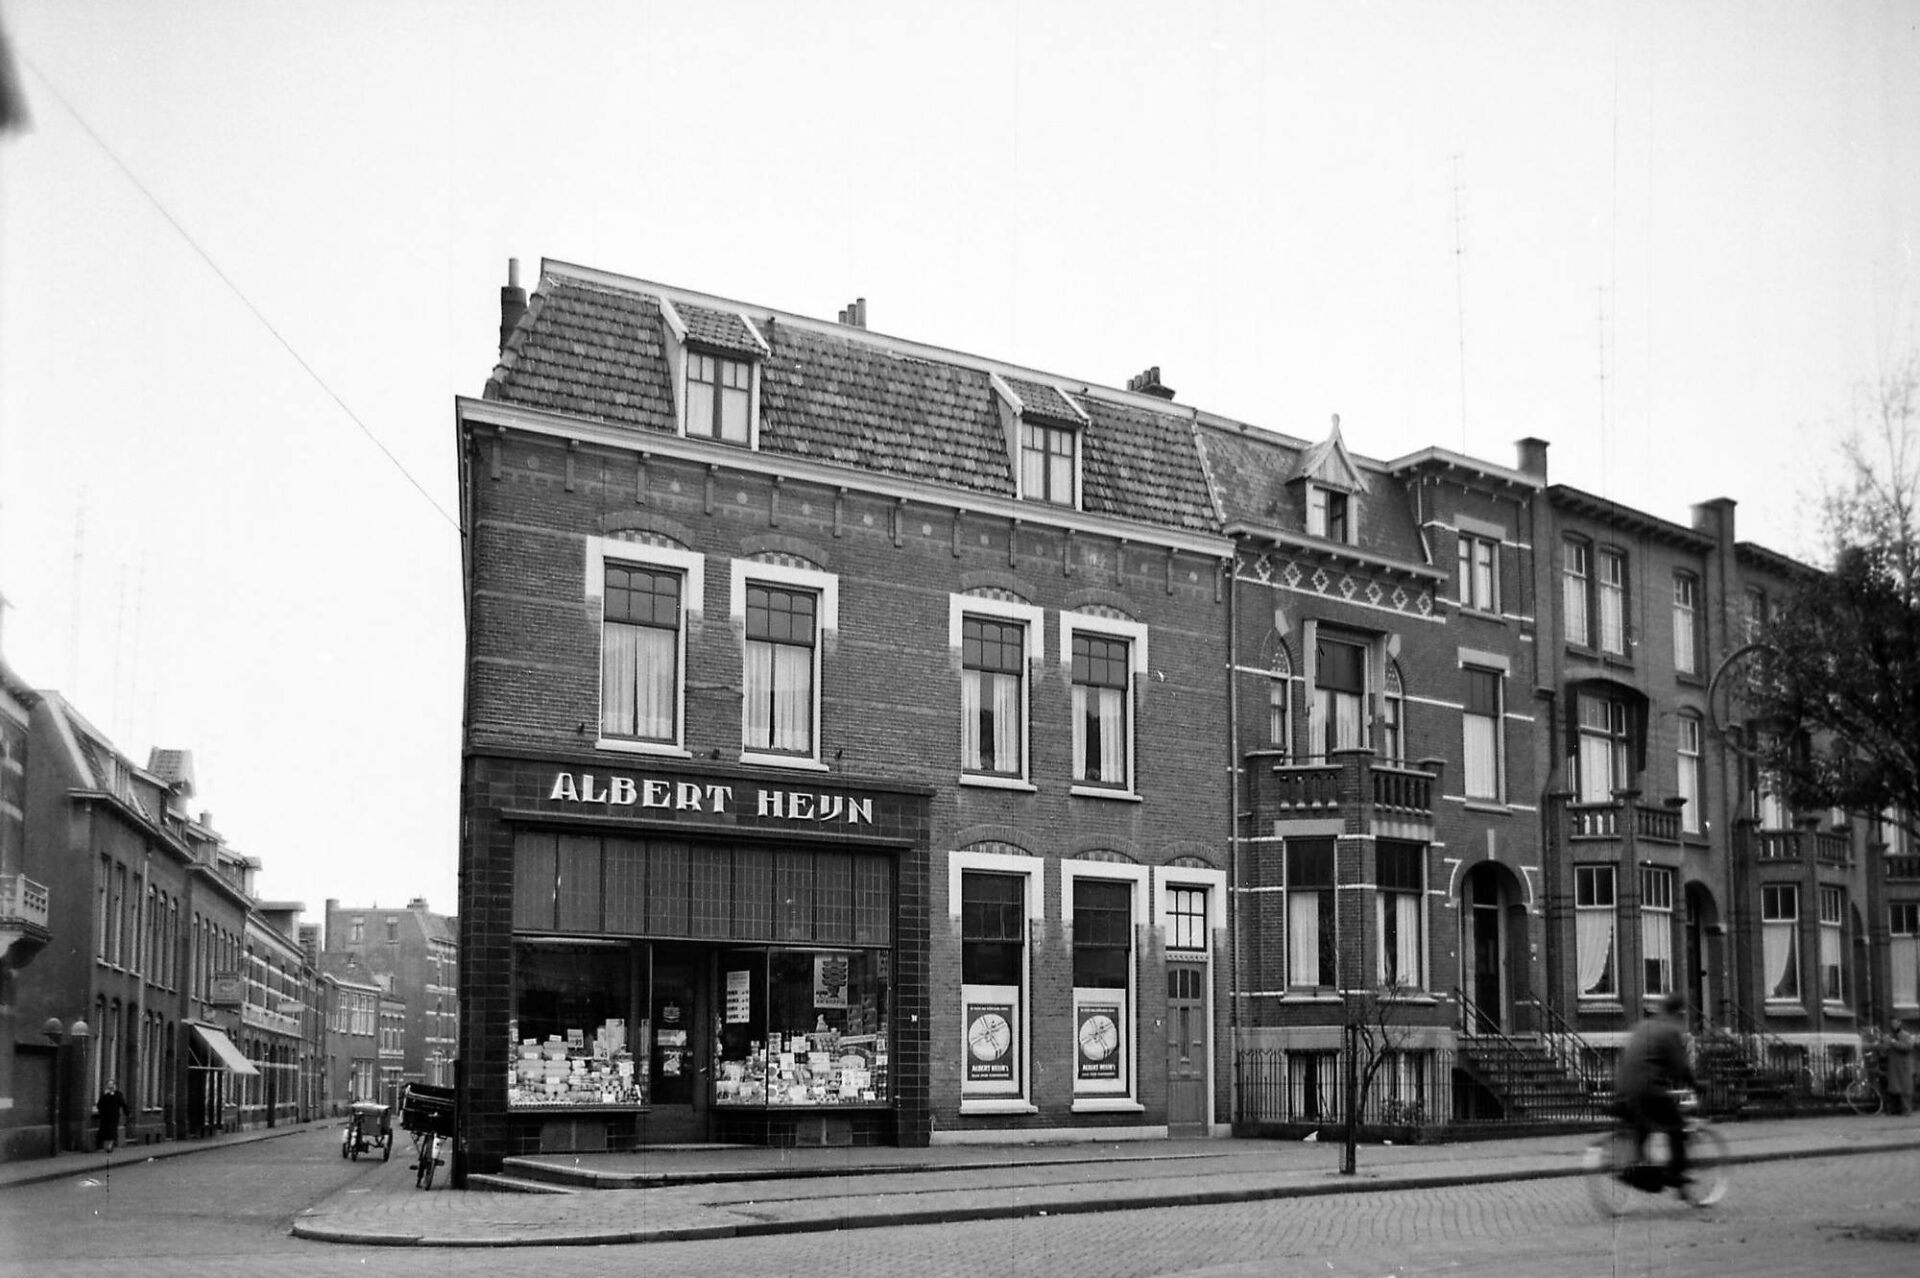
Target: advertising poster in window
{"points": [[830, 980], [990, 1042], [739, 997], [1097, 1032]]}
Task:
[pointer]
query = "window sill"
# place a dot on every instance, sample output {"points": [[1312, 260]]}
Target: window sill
{"points": [[782, 761], [1786, 1009], [1689, 678], [660, 749], [1484, 614], [1412, 1000], [1492, 807], [1107, 1105], [1836, 1011], [1308, 996], [980, 782], [998, 1107], [1094, 792], [1601, 1004]]}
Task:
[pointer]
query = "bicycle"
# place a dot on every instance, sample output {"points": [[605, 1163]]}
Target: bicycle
{"points": [[1614, 1175], [427, 1113], [369, 1127], [1862, 1092]]}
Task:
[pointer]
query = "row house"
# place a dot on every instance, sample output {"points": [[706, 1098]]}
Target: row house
{"points": [[871, 742], [351, 1052], [412, 953]]}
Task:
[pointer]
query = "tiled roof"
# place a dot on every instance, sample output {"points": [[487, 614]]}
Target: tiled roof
{"points": [[1045, 401], [593, 348], [1253, 472], [592, 351], [723, 330]]}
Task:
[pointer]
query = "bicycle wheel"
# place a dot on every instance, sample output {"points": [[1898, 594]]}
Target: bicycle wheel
{"points": [[353, 1142], [386, 1147], [1863, 1097], [1602, 1162], [429, 1157], [1707, 1163]]}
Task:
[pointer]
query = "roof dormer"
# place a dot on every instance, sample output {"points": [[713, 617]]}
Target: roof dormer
{"points": [[1331, 485], [1045, 429], [715, 357]]}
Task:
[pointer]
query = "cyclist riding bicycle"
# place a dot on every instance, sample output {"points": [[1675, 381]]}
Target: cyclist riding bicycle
{"points": [[1653, 1067]]}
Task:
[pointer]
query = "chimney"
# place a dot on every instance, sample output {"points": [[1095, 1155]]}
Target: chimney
{"points": [[1148, 383], [854, 314], [1533, 457], [513, 302], [417, 903]]}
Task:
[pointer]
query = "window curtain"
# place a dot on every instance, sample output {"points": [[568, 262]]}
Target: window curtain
{"points": [[1399, 916], [970, 735], [1777, 953], [1832, 983], [1905, 953], [1597, 781], [792, 698], [756, 723], [1303, 937], [636, 682], [1683, 649], [1099, 734], [1594, 940], [1690, 791], [990, 736], [1574, 596], [1483, 780], [1656, 944]]}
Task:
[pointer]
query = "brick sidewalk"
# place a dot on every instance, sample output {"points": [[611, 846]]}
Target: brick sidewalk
{"points": [[725, 1192]]}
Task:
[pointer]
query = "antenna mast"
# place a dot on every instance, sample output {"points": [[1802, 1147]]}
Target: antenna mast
{"points": [[73, 598], [1460, 296]]}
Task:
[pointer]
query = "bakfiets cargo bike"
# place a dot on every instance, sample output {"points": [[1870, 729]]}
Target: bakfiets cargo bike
{"points": [[427, 1113], [1615, 1176], [369, 1127]]}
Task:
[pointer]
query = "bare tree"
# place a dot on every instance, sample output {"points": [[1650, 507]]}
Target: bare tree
{"points": [[1374, 1037]]}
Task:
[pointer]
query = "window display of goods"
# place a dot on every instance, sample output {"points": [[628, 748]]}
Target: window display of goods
{"points": [[825, 1068]]}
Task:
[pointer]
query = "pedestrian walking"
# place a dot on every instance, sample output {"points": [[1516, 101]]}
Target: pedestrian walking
{"points": [[1899, 1048], [108, 1111]]}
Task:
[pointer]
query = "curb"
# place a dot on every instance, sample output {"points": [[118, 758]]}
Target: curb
{"points": [[1068, 1207], [160, 1150]]}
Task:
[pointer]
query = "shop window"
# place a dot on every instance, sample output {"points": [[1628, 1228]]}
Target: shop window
{"points": [[579, 1035], [1594, 931], [1103, 1023], [1780, 941], [1656, 928], [1311, 949], [993, 960], [803, 1027], [1400, 914]]}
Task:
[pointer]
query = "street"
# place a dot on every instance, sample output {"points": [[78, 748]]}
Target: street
{"points": [[229, 1210]]}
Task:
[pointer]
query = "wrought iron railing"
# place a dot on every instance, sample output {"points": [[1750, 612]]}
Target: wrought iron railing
{"points": [[1298, 1087]]}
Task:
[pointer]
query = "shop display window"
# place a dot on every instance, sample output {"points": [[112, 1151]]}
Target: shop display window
{"points": [[802, 1027], [579, 1033]]}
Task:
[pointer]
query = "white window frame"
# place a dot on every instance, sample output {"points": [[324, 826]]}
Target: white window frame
{"points": [[1780, 942], [1617, 740], [1295, 951], [1111, 1094], [1382, 898], [1495, 724], [1135, 634], [1690, 775], [678, 351], [692, 569], [1903, 930], [1320, 499], [959, 608], [826, 587], [1476, 582], [1576, 591], [1833, 947], [1686, 622], [1322, 720], [1074, 438], [1656, 929], [1013, 1097], [1610, 595], [1169, 878]]}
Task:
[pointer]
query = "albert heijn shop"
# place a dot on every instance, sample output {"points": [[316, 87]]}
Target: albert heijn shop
{"points": [[670, 954]]}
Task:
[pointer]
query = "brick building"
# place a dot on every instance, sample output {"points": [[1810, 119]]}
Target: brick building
{"points": [[412, 955], [866, 741]]}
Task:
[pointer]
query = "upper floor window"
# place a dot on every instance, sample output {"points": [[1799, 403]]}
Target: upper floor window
{"points": [[1047, 463], [719, 397], [1602, 760], [1756, 612], [778, 678], [640, 654], [1613, 602], [1393, 706], [1328, 513], [1339, 695], [1479, 579], [1280, 702], [1480, 727], [1686, 623], [1576, 582], [1691, 774], [1100, 687], [993, 699]]}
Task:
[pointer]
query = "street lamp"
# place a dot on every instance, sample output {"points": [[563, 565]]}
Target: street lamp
{"points": [[60, 1035]]}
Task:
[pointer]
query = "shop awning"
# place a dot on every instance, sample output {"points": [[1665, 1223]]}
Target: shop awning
{"points": [[224, 1051]]}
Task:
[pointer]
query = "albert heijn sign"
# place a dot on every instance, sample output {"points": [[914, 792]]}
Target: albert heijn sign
{"points": [[724, 799]]}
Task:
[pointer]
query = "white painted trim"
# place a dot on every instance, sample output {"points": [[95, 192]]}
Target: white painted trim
{"points": [[693, 592], [1135, 633], [1033, 619], [1484, 660], [826, 586]]}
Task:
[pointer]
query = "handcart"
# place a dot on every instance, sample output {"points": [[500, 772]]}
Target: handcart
{"points": [[369, 1127], [426, 1111]]}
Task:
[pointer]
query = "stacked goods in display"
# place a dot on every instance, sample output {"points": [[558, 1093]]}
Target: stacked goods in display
{"points": [[573, 1071], [820, 1068]]}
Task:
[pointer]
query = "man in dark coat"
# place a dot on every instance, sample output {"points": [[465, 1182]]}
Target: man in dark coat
{"points": [[111, 1108], [1653, 1066]]}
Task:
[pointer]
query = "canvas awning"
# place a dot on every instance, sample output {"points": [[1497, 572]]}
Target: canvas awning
{"points": [[224, 1051]]}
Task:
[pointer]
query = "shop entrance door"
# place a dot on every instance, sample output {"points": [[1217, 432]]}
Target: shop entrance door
{"points": [[679, 1052], [1186, 1050]]}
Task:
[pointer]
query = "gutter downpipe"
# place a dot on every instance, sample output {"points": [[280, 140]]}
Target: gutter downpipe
{"points": [[1233, 830]]}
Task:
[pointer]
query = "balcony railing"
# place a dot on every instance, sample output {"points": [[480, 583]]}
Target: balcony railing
{"points": [[23, 903], [1654, 823], [1903, 867], [1402, 790], [1828, 847], [1315, 787], [1306, 788]]}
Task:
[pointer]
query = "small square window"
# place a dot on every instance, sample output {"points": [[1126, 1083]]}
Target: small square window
{"points": [[1327, 513]]}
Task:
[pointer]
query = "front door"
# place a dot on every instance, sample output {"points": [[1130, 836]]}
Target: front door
{"points": [[677, 1047], [1187, 1053], [1483, 892]]}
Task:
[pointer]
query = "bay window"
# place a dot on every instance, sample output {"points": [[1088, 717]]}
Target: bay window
{"points": [[1780, 941], [1594, 931]]}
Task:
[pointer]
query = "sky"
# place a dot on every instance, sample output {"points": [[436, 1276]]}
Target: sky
{"points": [[251, 251]]}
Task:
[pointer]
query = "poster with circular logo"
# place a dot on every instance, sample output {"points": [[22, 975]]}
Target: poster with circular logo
{"points": [[989, 1042], [1099, 1037]]}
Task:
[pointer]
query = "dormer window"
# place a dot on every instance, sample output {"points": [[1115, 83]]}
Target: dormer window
{"points": [[719, 397], [1046, 463], [1327, 513]]}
